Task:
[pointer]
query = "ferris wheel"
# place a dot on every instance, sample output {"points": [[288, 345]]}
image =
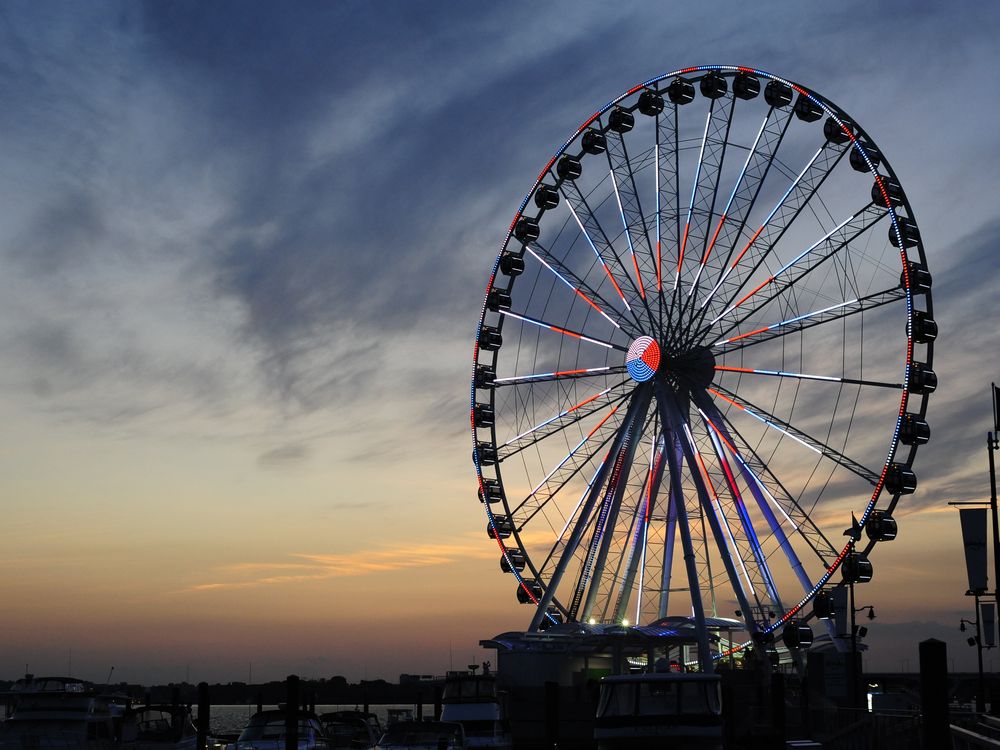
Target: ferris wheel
{"points": [[706, 347]]}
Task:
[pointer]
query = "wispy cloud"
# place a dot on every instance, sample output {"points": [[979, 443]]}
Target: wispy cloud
{"points": [[305, 567]]}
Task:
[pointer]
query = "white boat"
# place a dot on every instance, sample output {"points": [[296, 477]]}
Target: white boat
{"points": [[349, 732], [346, 715], [680, 711], [158, 727], [423, 735], [472, 701], [62, 713], [266, 731]]}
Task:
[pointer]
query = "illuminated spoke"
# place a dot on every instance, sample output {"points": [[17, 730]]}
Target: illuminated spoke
{"points": [[670, 416], [562, 420], [630, 210], [705, 195], [592, 571], [557, 477], [602, 247], [719, 434], [794, 200], [694, 191], [668, 214], [765, 479], [776, 423], [567, 549], [728, 206], [754, 553], [541, 377], [833, 242], [635, 564], [563, 331], [808, 320], [576, 284], [805, 376]]}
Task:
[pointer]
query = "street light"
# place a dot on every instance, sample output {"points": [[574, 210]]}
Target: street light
{"points": [[857, 569], [978, 643], [855, 630]]}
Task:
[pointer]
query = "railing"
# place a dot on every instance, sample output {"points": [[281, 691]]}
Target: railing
{"points": [[861, 730], [983, 732]]}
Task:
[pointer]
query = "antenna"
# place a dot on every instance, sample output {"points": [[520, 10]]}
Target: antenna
{"points": [[111, 672]]}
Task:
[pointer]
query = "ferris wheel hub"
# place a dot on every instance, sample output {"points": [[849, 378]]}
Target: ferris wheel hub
{"points": [[696, 366], [643, 359]]}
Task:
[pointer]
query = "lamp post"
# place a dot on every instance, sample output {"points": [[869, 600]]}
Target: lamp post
{"points": [[853, 573], [978, 641], [992, 444], [854, 642]]}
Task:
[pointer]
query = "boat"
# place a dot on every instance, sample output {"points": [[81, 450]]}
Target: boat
{"points": [[471, 700], [349, 731], [158, 727], [396, 715], [266, 731], [679, 710], [62, 713], [369, 718], [423, 735]]}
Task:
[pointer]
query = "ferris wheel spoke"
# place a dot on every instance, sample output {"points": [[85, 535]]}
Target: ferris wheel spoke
{"points": [[703, 205], [726, 209], [544, 377], [794, 200], [697, 189], [670, 417], [567, 468], [592, 570], [669, 540], [598, 241], [764, 479], [629, 537], [630, 210], [668, 212], [732, 223], [636, 410], [719, 434], [563, 420], [801, 322], [802, 438], [573, 515], [749, 554], [704, 189], [807, 376], [640, 535], [792, 273], [579, 287], [563, 331]]}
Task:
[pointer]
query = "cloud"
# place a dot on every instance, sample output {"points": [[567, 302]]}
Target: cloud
{"points": [[318, 567], [284, 455]]}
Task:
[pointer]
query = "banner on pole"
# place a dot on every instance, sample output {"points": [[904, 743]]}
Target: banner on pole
{"points": [[988, 621], [838, 602], [974, 539]]}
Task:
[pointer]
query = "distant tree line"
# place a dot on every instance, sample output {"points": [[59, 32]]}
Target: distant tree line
{"points": [[333, 690]]}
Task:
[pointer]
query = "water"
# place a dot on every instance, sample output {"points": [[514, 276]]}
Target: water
{"points": [[232, 719]]}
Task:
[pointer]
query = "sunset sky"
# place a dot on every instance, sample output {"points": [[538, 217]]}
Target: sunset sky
{"points": [[243, 250]]}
